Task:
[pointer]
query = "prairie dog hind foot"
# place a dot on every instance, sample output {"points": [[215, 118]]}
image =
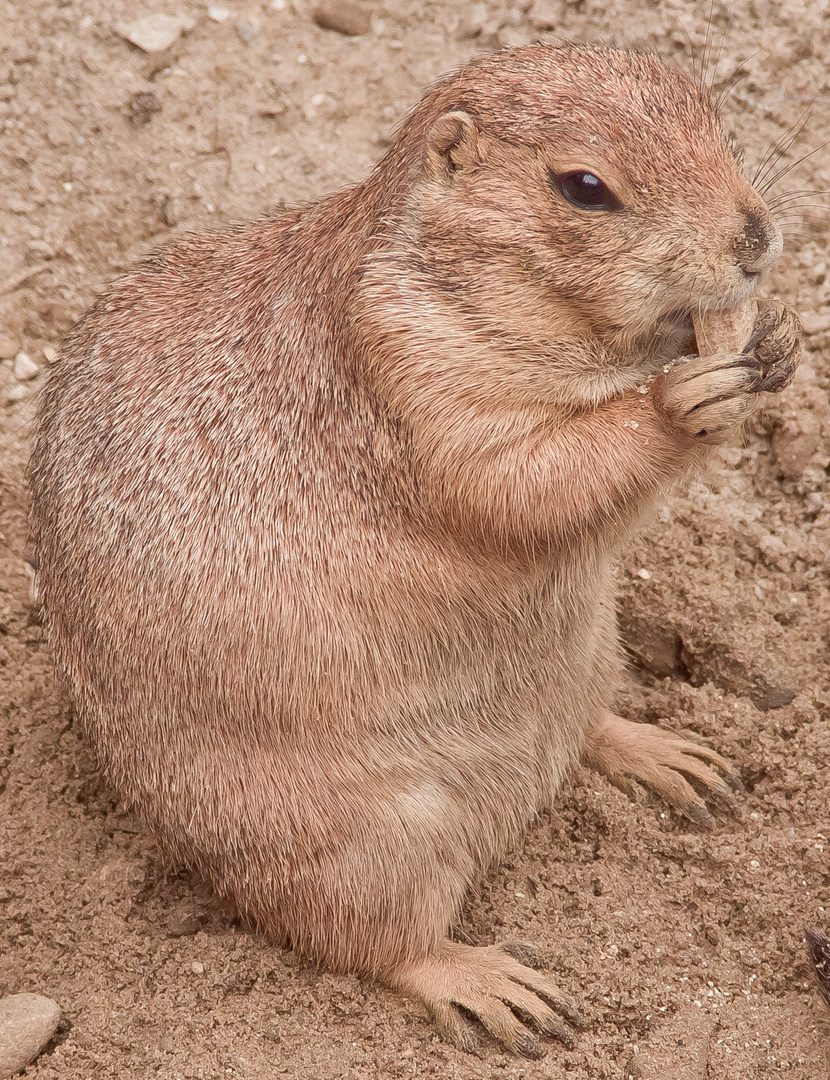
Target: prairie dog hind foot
{"points": [[627, 753], [494, 984]]}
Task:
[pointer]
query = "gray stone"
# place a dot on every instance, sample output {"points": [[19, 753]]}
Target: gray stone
{"points": [[27, 1023]]}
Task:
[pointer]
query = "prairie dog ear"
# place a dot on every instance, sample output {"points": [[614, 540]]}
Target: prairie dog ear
{"points": [[451, 145]]}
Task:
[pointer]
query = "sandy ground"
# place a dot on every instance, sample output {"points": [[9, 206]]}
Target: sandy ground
{"points": [[684, 947]]}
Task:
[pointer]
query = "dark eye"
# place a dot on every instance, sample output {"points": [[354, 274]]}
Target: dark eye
{"points": [[586, 191]]}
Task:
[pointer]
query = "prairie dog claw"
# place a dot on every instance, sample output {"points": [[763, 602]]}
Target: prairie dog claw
{"points": [[492, 985], [622, 751]]}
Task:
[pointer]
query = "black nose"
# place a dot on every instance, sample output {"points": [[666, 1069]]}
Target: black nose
{"points": [[758, 245]]}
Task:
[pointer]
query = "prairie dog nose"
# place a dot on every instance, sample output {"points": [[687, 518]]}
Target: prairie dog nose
{"points": [[760, 242]]}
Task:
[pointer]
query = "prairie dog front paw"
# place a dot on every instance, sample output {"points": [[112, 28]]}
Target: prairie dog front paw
{"points": [[707, 397], [776, 342]]}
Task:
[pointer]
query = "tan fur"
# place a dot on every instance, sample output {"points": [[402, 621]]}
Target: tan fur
{"points": [[325, 506]]}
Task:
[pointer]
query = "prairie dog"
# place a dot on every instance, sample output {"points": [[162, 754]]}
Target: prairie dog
{"points": [[325, 506]]}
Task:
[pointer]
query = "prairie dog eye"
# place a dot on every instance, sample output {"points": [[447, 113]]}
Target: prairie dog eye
{"points": [[586, 191]]}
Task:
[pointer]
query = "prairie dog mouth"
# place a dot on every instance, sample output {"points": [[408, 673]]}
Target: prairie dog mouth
{"points": [[675, 335]]}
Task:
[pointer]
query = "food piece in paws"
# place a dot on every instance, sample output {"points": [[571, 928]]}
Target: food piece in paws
{"points": [[726, 331]]}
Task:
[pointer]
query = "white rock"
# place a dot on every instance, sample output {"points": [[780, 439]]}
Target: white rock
{"points": [[27, 1023], [218, 14], [24, 367], [155, 33], [50, 354]]}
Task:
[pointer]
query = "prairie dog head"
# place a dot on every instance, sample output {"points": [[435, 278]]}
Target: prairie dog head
{"points": [[560, 192]]}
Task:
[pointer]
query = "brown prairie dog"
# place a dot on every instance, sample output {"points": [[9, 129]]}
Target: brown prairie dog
{"points": [[326, 506]]}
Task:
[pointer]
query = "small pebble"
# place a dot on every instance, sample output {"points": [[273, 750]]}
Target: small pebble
{"points": [[511, 37], [815, 322], [170, 211], [20, 206], [246, 31], [16, 393], [50, 354], [471, 22], [24, 367], [546, 14], [218, 14], [142, 106], [344, 16], [197, 967], [9, 346], [273, 110], [154, 33], [27, 1023], [40, 249]]}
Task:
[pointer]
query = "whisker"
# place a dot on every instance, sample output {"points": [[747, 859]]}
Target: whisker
{"points": [[729, 87], [788, 197], [797, 235], [807, 206], [709, 81], [780, 147], [692, 53], [789, 168], [738, 76], [717, 59], [704, 59]]}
